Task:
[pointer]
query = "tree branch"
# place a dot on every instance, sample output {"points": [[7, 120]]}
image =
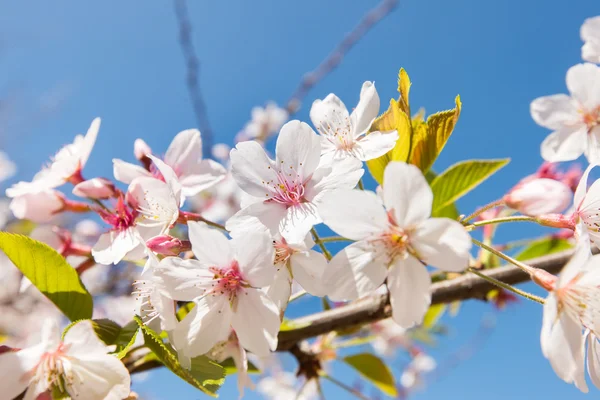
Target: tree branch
{"points": [[311, 78], [376, 307], [193, 70]]}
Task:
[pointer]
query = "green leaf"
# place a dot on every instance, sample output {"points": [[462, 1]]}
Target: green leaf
{"points": [[184, 310], [373, 369], [427, 147], [433, 314], [460, 179], [543, 247], [450, 211], [206, 375], [230, 368], [50, 273], [404, 84]]}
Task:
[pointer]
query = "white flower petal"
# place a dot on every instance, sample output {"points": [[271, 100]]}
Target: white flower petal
{"points": [[298, 148], [442, 243], [355, 214], [201, 176], [99, 376], [406, 193], [183, 280], [342, 174], [578, 261], [298, 221], [408, 284], [252, 169], [308, 269], [15, 367], [590, 34], [208, 323], [583, 81], [329, 112], [376, 144], [255, 253], [255, 216], [209, 245], [554, 112], [565, 145], [281, 288], [355, 271], [185, 151], [82, 340], [593, 359], [592, 151], [367, 108], [256, 322], [112, 247], [126, 172]]}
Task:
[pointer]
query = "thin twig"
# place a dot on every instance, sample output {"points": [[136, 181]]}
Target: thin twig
{"points": [[508, 287], [193, 70], [310, 79]]}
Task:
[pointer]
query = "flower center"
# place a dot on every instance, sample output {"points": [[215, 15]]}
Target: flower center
{"points": [[122, 218], [289, 188], [282, 251], [338, 131], [591, 118], [396, 240], [228, 281], [54, 368], [582, 303]]}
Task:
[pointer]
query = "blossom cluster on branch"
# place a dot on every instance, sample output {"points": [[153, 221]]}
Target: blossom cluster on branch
{"points": [[196, 262]]}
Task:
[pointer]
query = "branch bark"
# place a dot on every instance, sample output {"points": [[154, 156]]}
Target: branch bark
{"points": [[376, 307]]}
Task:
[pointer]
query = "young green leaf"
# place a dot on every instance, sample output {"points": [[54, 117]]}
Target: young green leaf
{"points": [[50, 273], [404, 84], [206, 375], [460, 179], [450, 211], [426, 148], [543, 247], [373, 369], [230, 368], [112, 333]]}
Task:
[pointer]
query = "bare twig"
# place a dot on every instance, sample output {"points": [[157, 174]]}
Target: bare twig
{"points": [[376, 307], [311, 78], [193, 70]]}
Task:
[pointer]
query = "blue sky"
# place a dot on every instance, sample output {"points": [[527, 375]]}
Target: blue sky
{"points": [[63, 63]]}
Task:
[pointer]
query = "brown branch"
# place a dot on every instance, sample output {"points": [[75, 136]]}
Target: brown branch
{"points": [[193, 70], [310, 79], [376, 307]]}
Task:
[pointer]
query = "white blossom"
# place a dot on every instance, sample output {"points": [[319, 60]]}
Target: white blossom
{"points": [[283, 194], [345, 135], [574, 119], [590, 34], [266, 121], [393, 243], [79, 366]]}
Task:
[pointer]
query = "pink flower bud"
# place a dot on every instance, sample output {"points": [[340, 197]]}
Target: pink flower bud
{"points": [[38, 207], [557, 221], [539, 196], [96, 188], [543, 278], [141, 149], [168, 245]]}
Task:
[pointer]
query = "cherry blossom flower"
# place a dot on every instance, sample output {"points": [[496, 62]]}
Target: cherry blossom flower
{"points": [[265, 121], [7, 167], [78, 366], [232, 348], [224, 281], [392, 242], [283, 195], [96, 188], [539, 196], [571, 308], [184, 156], [590, 34], [412, 376], [388, 337], [296, 262], [347, 135], [586, 203], [220, 202], [574, 119], [38, 207], [65, 166], [149, 209], [284, 386]]}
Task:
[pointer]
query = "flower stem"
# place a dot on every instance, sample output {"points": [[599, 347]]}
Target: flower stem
{"points": [[483, 209], [347, 388], [517, 218], [318, 241], [506, 286], [334, 239], [185, 217], [297, 295], [522, 266], [360, 184]]}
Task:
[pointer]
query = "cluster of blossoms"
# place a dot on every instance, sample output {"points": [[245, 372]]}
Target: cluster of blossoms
{"points": [[234, 240]]}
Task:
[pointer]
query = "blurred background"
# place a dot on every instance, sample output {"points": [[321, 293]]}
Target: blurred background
{"points": [[63, 63]]}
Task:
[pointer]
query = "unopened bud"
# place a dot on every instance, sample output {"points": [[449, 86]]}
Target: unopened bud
{"points": [[543, 278], [168, 245], [556, 221], [539, 196], [96, 188]]}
